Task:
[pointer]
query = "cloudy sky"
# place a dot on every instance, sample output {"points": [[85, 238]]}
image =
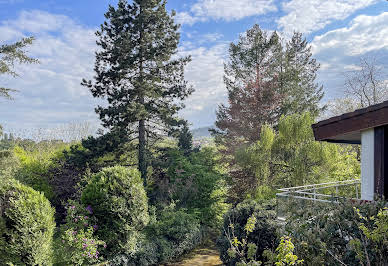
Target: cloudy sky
{"points": [[340, 32]]}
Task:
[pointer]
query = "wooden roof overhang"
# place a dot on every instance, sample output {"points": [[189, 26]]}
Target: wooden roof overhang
{"points": [[347, 128]]}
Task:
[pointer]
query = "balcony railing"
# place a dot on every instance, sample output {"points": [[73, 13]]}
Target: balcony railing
{"points": [[307, 195], [324, 192]]}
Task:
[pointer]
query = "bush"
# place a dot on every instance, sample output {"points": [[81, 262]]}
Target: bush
{"points": [[263, 235], [26, 226], [193, 182], [173, 234], [120, 205], [77, 243], [176, 232], [34, 170], [333, 234]]}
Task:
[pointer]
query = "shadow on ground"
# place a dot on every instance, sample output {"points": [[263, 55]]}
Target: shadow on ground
{"points": [[206, 255]]}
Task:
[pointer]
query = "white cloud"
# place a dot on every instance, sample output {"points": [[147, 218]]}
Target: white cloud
{"points": [[364, 34], [308, 16], [51, 94], [339, 50], [210, 37], [186, 18], [205, 73], [228, 10], [65, 50]]}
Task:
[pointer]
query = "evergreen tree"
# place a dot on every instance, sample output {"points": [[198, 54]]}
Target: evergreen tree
{"points": [[265, 81], [185, 139], [137, 71], [11, 54], [252, 80], [298, 79]]}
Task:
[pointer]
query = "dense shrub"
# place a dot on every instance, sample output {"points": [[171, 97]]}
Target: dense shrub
{"points": [[173, 234], [34, 169], [194, 182], [263, 235], [176, 232], [332, 234], [120, 205], [76, 243], [26, 226]]}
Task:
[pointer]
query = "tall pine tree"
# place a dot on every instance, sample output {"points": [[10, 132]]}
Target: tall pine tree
{"points": [[265, 81], [139, 74], [253, 83], [298, 79]]}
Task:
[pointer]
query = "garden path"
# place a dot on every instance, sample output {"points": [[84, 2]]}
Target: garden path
{"points": [[201, 256]]}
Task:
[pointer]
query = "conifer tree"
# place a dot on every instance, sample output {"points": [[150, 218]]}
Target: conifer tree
{"points": [[185, 139], [303, 94], [253, 83], [11, 54], [265, 81], [138, 73]]}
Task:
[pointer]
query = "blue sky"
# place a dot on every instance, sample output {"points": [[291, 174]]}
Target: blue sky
{"points": [[340, 32]]}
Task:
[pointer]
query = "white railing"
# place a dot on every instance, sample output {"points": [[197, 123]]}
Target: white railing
{"points": [[325, 192]]}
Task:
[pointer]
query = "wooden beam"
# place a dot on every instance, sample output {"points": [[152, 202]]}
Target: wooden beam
{"points": [[336, 127], [352, 124]]}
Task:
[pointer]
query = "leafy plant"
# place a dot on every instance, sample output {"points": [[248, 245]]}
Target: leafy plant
{"points": [[173, 233], [333, 233], [373, 242], [77, 243], [290, 156], [26, 225], [194, 182], [120, 206], [284, 254], [249, 229]]}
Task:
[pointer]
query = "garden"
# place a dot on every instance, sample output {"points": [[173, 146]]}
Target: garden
{"points": [[138, 192]]}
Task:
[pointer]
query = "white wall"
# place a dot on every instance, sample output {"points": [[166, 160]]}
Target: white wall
{"points": [[367, 164]]}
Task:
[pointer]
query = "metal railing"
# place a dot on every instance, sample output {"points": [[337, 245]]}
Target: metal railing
{"points": [[324, 192]]}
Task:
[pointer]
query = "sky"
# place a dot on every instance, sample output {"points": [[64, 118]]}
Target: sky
{"points": [[49, 94]]}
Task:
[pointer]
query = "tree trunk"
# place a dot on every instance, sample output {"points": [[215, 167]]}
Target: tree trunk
{"points": [[142, 152], [142, 130]]}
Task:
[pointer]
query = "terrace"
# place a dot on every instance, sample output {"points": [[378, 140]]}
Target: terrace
{"points": [[368, 127]]}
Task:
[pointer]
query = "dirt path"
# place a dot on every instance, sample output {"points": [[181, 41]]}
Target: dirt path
{"points": [[202, 256]]}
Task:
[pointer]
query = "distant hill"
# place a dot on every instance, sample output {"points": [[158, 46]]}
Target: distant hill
{"points": [[202, 132]]}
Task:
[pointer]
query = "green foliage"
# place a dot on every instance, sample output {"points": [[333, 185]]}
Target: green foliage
{"points": [[285, 253], [185, 139], [249, 229], [292, 157], [174, 233], [11, 54], [120, 205], [333, 234], [77, 243], [195, 183], [374, 238], [26, 226], [265, 80], [34, 169], [139, 74]]}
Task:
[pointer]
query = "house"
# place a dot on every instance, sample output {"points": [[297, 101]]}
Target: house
{"points": [[368, 127]]}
